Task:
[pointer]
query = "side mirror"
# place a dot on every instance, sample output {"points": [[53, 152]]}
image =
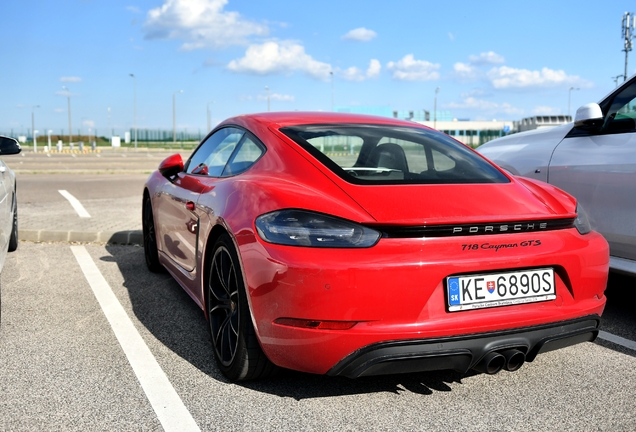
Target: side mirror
{"points": [[171, 166], [9, 146], [589, 115]]}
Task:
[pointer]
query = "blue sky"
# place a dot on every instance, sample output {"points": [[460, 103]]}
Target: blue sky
{"points": [[500, 60]]}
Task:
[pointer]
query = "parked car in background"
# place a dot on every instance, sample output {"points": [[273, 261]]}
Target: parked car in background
{"points": [[356, 245], [8, 203], [594, 159]]}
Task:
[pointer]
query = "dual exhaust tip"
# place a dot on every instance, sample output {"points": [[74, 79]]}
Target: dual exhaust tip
{"points": [[494, 361]]}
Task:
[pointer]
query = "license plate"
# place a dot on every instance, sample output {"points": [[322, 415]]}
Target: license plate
{"points": [[500, 289]]}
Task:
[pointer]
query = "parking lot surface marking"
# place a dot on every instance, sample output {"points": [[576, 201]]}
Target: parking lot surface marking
{"points": [[79, 208], [617, 340], [165, 401]]}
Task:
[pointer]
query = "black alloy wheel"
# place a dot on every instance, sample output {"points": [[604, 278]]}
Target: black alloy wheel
{"points": [[236, 347], [150, 238]]}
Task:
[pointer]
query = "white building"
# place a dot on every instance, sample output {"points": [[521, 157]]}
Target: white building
{"points": [[472, 133]]}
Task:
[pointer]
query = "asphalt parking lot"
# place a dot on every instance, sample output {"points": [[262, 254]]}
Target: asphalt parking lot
{"points": [[65, 365]]}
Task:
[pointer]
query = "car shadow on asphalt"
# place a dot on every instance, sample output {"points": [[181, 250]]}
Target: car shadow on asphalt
{"points": [[172, 317], [618, 317]]}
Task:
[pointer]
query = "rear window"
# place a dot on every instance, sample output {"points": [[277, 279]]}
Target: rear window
{"points": [[370, 154]]}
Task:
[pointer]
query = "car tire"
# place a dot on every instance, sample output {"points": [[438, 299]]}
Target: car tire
{"points": [[237, 351], [13, 239], [150, 238]]}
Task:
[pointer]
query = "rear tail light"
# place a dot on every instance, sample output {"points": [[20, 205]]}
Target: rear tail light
{"points": [[315, 324]]}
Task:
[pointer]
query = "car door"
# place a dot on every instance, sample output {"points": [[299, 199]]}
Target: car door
{"points": [[598, 167], [5, 210], [178, 220]]}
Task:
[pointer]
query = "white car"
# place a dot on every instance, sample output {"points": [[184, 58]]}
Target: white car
{"points": [[8, 202], [594, 159]]}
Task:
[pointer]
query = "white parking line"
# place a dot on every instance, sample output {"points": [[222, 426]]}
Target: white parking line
{"points": [[617, 340], [79, 208], [165, 401]]}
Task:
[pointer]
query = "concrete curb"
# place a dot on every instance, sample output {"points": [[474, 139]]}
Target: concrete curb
{"points": [[133, 237]]}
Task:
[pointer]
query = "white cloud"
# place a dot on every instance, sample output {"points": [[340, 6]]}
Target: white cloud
{"points": [[475, 92], [465, 71], [546, 110], [65, 93], [360, 34], [463, 68], [355, 74], [489, 57], [279, 58], [278, 97], [505, 77], [133, 9], [374, 68], [485, 107], [409, 69], [70, 79], [472, 71], [89, 123], [200, 24], [451, 36], [352, 74]]}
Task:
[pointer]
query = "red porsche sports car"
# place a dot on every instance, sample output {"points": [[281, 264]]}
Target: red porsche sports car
{"points": [[355, 245]]}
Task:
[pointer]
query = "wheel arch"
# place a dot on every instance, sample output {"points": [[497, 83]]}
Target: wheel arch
{"points": [[208, 252]]}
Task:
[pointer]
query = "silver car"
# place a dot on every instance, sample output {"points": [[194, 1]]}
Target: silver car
{"points": [[594, 159], [8, 202]]}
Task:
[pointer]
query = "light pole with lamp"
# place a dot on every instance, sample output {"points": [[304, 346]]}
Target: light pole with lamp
{"points": [[628, 27], [49, 132], [435, 109], [267, 88], [208, 116], [174, 115], [570, 97], [616, 79], [70, 130], [33, 132], [135, 106]]}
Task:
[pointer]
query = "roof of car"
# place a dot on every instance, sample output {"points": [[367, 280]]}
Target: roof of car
{"points": [[290, 118]]}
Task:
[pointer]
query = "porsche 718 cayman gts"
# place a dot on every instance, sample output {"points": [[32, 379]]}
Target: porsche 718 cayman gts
{"points": [[354, 245]]}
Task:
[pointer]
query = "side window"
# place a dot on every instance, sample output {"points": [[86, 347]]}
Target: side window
{"points": [[442, 162], [415, 158], [212, 155], [343, 149], [248, 153], [622, 112]]}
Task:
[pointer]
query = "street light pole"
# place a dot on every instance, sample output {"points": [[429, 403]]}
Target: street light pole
{"points": [[209, 118], [435, 109], [70, 130], [628, 27], [112, 132], [570, 96], [616, 79], [135, 106], [35, 143], [267, 88], [174, 115]]}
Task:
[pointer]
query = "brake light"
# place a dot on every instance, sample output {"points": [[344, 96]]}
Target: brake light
{"points": [[315, 324]]}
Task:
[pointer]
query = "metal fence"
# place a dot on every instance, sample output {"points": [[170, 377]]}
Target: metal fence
{"points": [[143, 136], [157, 135]]}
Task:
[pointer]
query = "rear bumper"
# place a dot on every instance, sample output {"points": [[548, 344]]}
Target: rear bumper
{"points": [[462, 353]]}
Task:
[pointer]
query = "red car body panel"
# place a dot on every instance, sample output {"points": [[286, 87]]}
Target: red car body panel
{"points": [[394, 290]]}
